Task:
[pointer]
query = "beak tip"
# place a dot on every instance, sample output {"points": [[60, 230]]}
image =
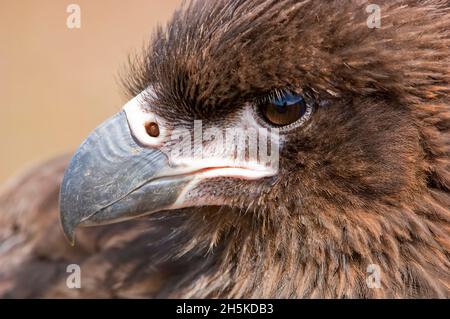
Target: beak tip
{"points": [[67, 221], [69, 232]]}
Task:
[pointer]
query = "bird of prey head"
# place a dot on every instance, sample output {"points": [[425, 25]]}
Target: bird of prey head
{"points": [[346, 154]]}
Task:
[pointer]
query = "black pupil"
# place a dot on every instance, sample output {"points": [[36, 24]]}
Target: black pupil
{"points": [[283, 114]]}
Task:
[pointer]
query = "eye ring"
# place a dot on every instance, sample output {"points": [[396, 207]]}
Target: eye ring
{"points": [[284, 110]]}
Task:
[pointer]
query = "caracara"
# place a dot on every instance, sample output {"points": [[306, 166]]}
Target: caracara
{"points": [[359, 116]]}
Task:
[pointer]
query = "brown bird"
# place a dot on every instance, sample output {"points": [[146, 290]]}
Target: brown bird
{"points": [[356, 206]]}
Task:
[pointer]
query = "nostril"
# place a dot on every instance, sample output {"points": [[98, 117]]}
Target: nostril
{"points": [[152, 129]]}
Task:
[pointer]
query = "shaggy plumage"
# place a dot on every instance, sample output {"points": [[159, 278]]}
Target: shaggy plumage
{"points": [[366, 182]]}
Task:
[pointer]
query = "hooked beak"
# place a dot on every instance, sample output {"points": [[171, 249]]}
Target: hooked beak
{"points": [[121, 172]]}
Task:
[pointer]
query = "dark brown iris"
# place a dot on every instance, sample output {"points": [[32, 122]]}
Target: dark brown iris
{"points": [[284, 110]]}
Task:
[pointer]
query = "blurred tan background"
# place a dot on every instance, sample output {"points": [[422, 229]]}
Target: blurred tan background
{"points": [[56, 83]]}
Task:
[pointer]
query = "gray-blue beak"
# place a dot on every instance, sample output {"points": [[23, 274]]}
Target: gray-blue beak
{"points": [[112, 178]]}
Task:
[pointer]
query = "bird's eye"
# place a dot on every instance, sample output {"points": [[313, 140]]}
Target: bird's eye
{"points": [[284, 109]]}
